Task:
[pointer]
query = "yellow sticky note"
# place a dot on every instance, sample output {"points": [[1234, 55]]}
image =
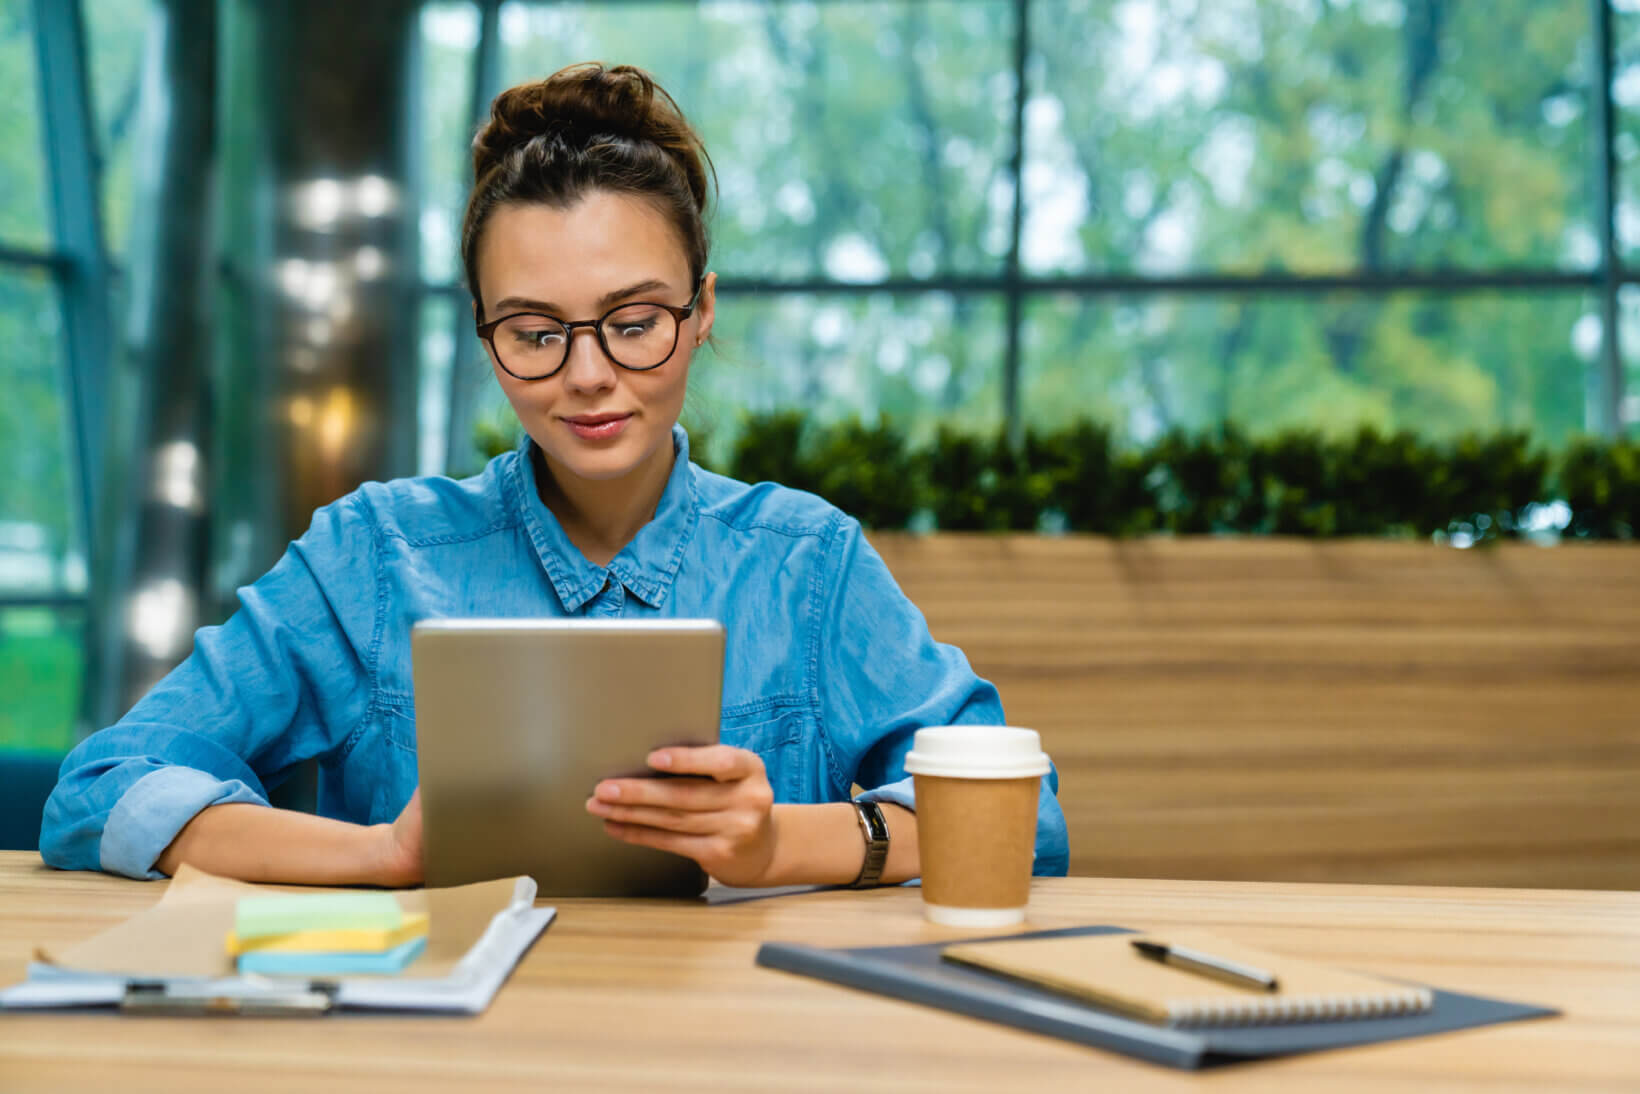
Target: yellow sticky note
{"points": [[331, 940]]}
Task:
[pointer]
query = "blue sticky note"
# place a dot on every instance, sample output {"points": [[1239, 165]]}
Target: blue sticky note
{"points": [[329, 964]]}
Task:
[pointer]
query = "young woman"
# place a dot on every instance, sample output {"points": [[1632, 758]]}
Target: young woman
{"points": [[585, 249]]}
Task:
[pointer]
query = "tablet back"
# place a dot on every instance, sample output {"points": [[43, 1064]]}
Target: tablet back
{"points": [[517, 720]]}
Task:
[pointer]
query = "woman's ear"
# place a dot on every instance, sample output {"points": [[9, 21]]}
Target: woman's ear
{"points": [[489, 350], [706, 309]]}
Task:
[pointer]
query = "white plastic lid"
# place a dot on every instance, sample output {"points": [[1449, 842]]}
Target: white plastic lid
{"points": [[977, 752]]}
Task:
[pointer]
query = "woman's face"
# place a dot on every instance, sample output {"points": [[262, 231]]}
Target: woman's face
{"points": [[593, 419]]}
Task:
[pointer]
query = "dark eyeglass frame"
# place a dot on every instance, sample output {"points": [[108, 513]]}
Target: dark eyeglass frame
{"points": [[487, 331]]}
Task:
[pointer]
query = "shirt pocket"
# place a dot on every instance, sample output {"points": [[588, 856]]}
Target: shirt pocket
{"points": [[783, 735], [384, 762]]}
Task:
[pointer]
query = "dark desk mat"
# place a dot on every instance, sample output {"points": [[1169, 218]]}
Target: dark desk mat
{"points": [[918, 975]]}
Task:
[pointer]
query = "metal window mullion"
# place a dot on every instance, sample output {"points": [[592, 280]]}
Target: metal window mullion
{"points": [[52, 262], [53, 601], [1608, 384], [1012, 272], [1435, 280], [1116, 284], [69, 141]]}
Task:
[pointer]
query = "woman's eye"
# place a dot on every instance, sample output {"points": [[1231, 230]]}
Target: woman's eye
{"points": [[635, 329], [539, 337]]}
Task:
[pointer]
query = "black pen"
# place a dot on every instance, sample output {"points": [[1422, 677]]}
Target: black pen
{"points": [[1219, 968]]}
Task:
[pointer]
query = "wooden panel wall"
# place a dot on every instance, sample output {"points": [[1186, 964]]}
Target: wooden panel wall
{"points": [[1286, 709]]}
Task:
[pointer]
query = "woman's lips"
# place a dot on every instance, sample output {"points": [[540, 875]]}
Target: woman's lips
{"points": [[598, 427]]}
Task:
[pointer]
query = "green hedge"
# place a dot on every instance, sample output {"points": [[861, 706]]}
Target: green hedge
{"points": [[1474, 489]]}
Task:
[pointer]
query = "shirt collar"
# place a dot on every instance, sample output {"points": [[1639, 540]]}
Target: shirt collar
{"points": [[646, 566]]}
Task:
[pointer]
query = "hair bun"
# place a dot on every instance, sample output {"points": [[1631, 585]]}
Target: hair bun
{"points": [[587, 104], [587, 128]]}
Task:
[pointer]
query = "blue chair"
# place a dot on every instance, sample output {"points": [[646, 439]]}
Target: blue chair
{"points": [[26, 779]]}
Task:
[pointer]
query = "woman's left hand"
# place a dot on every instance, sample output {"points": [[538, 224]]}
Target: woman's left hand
{"points": [[723, 817]]}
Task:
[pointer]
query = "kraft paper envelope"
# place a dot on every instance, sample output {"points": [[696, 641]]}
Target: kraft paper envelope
{"points": [[183, 934]]}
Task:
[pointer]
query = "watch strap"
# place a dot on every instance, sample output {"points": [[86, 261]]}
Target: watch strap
{"points": [[874, 828]]}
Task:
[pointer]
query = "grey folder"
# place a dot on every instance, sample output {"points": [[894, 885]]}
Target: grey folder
{"points": [[918, 975]]}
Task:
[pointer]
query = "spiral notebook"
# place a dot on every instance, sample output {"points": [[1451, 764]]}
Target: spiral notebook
{"points": [[1107, 971]]}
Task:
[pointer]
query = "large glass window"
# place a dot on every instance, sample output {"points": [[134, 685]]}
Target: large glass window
{"points": [[1625, 91], [41, 662], [916, 358], [35, 510], [1180, 166], [441, 325], [42, 550], [1252, 136], [116, 32], [446, 45], [1629, 323], [853, 141], [23, 218], [1435, 363]]}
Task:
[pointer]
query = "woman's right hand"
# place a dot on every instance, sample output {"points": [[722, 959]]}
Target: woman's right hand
{"points": [[400, 859]]}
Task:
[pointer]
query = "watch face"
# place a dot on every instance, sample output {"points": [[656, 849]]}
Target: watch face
{"points": [[872, 816]]}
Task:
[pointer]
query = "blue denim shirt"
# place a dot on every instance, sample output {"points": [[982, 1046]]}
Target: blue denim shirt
{"points": [[828, 671]]}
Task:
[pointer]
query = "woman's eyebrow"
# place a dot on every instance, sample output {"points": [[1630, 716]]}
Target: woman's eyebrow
{"points": [[521, 303]]}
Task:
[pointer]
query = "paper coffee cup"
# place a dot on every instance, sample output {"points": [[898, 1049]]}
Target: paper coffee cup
{"points": [[977, 790]]}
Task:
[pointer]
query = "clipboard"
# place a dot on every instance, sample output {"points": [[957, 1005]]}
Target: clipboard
{"points": [[171, 959]]}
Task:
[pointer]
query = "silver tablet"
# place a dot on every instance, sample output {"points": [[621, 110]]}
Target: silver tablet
{"points": [[518, 719]]}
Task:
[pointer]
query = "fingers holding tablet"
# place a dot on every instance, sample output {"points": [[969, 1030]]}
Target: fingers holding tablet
{"points": [[722, 817], [721, 762]]}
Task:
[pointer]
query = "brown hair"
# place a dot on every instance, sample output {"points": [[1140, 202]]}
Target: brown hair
{"points": [[588, 127]]}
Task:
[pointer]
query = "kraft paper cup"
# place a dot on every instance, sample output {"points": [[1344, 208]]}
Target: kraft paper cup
{"points": [[977, 790]]}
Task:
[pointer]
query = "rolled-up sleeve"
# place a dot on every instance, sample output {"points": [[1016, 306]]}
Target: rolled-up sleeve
{"points": [[882, 676], [286, 678]]}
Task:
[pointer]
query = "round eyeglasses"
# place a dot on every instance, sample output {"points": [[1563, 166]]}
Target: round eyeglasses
{"points": [[638, 337]]}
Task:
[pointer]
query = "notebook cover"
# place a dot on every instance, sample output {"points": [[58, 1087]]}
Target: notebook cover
{"points": [[917, 974], [1106, 971]]}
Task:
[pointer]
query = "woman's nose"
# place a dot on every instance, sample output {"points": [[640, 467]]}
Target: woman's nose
{"points": [[588, 367]]}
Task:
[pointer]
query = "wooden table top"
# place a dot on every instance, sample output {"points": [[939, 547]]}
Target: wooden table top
{"points": [[632, 995]]}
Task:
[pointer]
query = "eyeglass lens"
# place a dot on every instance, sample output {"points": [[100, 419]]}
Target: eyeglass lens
{"points": [[636, 336]]}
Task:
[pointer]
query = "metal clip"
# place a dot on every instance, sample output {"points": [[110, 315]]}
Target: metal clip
{"points": [[292, 1001]]}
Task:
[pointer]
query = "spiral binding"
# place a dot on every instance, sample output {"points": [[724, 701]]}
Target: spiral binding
{"points": [[1274, 1010]]}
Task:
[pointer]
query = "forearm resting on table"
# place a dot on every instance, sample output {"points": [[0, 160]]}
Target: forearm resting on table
{"points": [[823, 845], [260, 843], [814, 845]]}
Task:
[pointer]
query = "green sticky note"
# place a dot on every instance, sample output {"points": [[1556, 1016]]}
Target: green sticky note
{"points": [[260, 916]]}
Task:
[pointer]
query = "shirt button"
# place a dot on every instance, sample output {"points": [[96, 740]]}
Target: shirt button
{"points": [[609, 600]]}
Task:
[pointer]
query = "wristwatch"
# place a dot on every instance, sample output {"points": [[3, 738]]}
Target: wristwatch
{"points": [[875, 830]]}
